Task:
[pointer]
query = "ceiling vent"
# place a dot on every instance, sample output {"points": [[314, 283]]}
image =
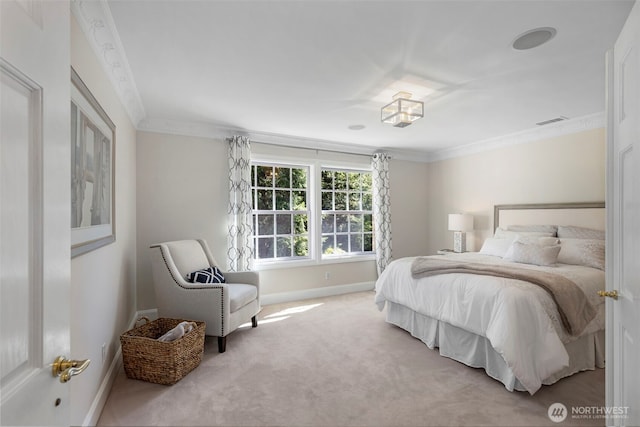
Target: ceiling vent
{"points": [[557, 119]]}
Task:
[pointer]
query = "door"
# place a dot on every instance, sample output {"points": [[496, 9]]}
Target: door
{"points": [[34, 210], [623, 218]]}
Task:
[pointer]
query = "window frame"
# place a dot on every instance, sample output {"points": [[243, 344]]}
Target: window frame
{"points": [[347, 212], [314, 201], [254, 212]]}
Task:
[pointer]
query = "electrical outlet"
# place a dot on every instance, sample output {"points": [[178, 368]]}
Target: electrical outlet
{"points": [[104, 351]]}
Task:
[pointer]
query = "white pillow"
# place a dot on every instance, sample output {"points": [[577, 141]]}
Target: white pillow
{"points": [[574, 232], [535, 254], [587, 252], [495, 247], [531, 240]]}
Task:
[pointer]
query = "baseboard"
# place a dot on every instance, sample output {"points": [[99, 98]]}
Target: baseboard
{"points": [[303, 294], [93, 415], [103, 392]]}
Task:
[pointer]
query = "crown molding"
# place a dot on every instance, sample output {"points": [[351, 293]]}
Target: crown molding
{"points": [[185, 128], [205, 130], [221, 132], [96, 22], [579, 124]]}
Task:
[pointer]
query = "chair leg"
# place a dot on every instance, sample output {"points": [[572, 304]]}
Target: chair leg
{"points": [[254, 322], [222, 344]]}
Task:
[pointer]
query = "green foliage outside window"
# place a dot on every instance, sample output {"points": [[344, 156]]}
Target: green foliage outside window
{"points": [[347, 220], [281, 217]]}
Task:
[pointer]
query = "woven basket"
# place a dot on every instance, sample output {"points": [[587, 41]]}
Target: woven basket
{"points": [[159, 362]]}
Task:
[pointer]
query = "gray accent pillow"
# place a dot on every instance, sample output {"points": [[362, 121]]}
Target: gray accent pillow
{"points": [[553, 229], [501, 233], [575, 232], [535, 254], [532, 240], [586, 252]]}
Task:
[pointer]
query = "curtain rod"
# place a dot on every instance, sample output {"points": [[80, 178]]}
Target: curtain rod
{"points": [[327, 150]]}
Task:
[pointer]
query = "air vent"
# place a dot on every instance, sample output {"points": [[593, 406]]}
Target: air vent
{"points": [[557, 119]]}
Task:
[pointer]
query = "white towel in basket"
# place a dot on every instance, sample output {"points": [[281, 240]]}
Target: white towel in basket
{"points": [[177, 332]]}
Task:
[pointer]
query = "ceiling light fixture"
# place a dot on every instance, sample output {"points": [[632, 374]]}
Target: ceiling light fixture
{"points": [[402, 111]]}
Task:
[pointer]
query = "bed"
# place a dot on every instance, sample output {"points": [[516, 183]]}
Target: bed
{"points": [[526, 316]]}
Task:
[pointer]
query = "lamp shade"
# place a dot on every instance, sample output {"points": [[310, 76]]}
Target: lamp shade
{"points": [[460, 222]]}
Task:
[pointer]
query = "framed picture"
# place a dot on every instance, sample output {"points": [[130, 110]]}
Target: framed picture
{"points": [[93, 146]]}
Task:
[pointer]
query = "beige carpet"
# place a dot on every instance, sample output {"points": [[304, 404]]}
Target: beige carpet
{"points": [[336, 362]]}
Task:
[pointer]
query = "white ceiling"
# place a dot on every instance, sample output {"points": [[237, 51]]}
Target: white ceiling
{"points": [[311, 69]]}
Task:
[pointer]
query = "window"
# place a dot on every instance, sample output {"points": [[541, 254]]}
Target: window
{"points": [[347, 217], [280, 211], [309, 212]]}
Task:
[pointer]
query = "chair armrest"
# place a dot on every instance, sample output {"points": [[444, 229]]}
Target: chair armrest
{"points": [[246, 277]]}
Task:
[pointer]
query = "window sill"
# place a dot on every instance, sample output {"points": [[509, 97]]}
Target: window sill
{"points": [[347, 258], [276, 265]]}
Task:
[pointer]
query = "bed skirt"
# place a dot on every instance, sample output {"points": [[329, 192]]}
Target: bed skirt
{"points": [[585, 353]]}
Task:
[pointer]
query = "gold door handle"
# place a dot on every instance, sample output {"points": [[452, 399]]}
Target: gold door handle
{"points": [[611, 294], [65, 369]]}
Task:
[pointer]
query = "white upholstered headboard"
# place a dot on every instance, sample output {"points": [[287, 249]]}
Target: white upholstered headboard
{"points": [[588, 214]]}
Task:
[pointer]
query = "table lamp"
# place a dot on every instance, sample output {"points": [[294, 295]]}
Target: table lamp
{"points": [[459, 224]]}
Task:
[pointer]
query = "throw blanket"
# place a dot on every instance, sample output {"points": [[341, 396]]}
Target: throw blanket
{"points": [[574, 308], [178, 332]]}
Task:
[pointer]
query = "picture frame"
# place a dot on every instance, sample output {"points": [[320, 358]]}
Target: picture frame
{"points": [[93, 144]]}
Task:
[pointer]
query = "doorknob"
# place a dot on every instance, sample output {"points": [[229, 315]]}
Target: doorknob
{"points": [[65, 369], [612, 294]]}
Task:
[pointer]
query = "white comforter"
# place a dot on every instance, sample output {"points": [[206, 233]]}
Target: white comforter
{"points": [[519, 319]]}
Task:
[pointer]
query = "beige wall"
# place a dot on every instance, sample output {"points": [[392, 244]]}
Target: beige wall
{"points": [[103, 281], [568, 168], [409, 207], [182, 186]]}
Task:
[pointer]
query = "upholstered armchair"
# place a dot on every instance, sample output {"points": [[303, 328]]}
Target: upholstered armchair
{"points": [[223, 306]]}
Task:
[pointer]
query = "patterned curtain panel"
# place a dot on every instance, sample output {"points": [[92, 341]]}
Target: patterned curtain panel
{"points": [[240, 253], [381, 209]]}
